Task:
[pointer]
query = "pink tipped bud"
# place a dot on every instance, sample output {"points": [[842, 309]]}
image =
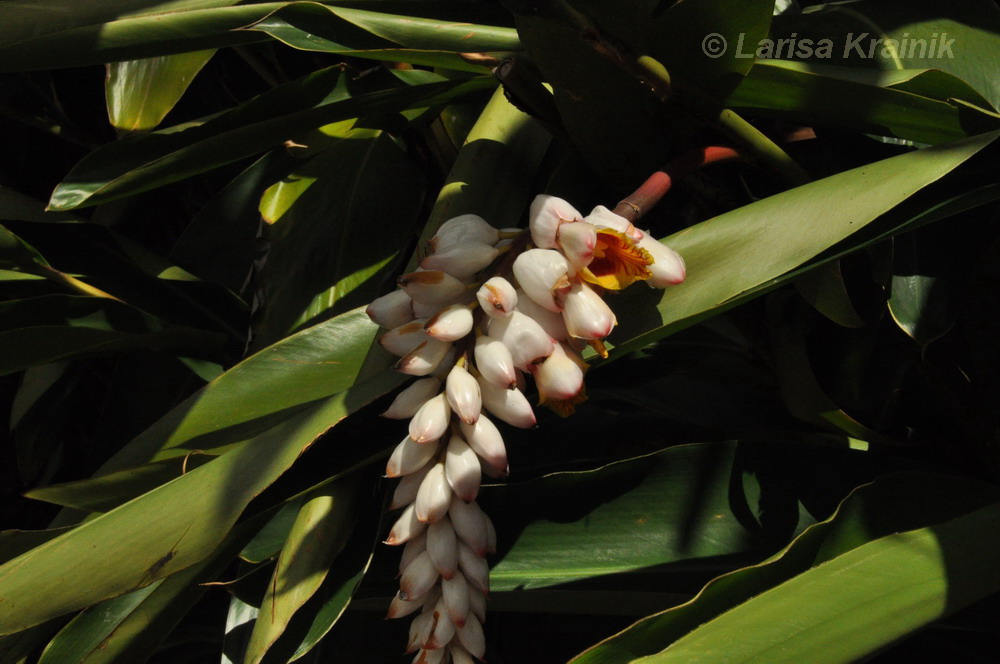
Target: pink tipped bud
{"points": [[424, 359], [542, 275], [577, 241], [468, 520], [602, 217], [413, 548], [406, 490], [407, 527], [550, 321], [463, 229], [444, 628], [450, 324], [587, 316], [460, 655], [462, 469], [463, 394], [399, 608], [511, 406], [545, 216], [391, 310], [477, 603], [442, 546], [420, 631], [485, 440], [408, 402], [668, 267], [462, 260], [432, 287], [524, 337], [560, 376], [431, 656], [495, 364], [434, 495], [475, 569], [497, 297], [431, 421], [418, 577], [400, 341], [472, 638], [455, 594], [408, 457]]}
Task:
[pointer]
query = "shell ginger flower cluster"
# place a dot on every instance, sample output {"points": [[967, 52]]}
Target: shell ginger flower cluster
{"points": [[483, 311]]}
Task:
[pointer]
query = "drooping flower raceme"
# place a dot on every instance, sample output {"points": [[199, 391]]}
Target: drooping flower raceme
{"points": [[471, 324]]}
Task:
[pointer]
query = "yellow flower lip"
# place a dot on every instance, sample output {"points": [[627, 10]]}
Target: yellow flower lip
{"points": [[618, 261]]}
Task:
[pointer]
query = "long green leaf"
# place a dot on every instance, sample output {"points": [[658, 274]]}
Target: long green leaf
{"points": [[140, 93]]}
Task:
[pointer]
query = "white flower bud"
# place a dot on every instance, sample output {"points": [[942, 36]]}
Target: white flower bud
{"points": [[401, 340], [477, 603], [399, 608], [450, 324], [434, 495], [407, 527], [475, 569], [431, 421], [442, 546], [413, 548], [406, 490], [497, 297], [408, 401], [418, 577], [391, 310], [491, 534], [420, 631], [431, 656], [460, 655], [494, 361], [560, 376], [431, 286], [463, 394], [525, 339], [408, 457], [602, 217], [462, 469], [462, 260], [668, 267], [587, 316], [577, 241], [423, 359], [485, 440], [469, 523], [472, 638], [455, 593], [511, 406], [545, 216], [550, 321], [542, 275], [462, 230], [444, 629]]}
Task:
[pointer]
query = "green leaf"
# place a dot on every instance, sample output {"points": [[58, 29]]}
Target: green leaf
{"points": [[321, 530], [884, 103], [168, 529], [140, 93], [138, 163], [267, 543], [738, 255], [920, 300], [903, 501]]}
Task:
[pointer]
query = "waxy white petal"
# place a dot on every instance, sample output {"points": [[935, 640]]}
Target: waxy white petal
{"points": [[403, 339], [497, 297], [423, 359], [551, 322], [420, 631], [587, 316], [468, 520], [460, 655], [462, 260], [455, 594], [413, 548], [461, 230], [462, 469], [463, 394], [472, 638], [444, 628], [450, 324], [475, 568], [431, 656], [485, 440], [434, 495], [431, 420], [399, 607], [442, 546], [406, 491], [560, 376], [495, 363], [602, 217], [668, 267], [418, 577], [391, 310], [491, 534], [408, 457], [407, 527], [477, 603], [526, 340], [542, 275], [544, 217], [408, 401], [577, 241], [511, 406], [432, 286]]}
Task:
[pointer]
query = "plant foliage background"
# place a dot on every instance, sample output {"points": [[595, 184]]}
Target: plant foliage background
{"points": [[791, 457]]}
